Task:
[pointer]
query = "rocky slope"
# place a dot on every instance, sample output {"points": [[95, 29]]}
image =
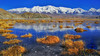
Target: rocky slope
{"points": [[34, 15], [5, 15]]}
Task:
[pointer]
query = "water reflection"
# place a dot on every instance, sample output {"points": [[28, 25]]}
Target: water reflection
{"points": [[49, 27], [90, 37]]}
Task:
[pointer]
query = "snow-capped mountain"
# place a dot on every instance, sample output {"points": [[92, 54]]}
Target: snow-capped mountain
{"points": [[92, 10], [55, 10]]}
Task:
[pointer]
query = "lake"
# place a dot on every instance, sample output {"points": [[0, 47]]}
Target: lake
{"points": [[91, 37]]}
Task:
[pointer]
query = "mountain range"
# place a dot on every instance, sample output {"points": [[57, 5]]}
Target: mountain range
{"points": [[56, 10]]}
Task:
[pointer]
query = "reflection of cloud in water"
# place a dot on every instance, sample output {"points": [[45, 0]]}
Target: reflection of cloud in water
{"points": [[49, 27], [98, 27], [80, 26], [21, 26], [95, 28]]}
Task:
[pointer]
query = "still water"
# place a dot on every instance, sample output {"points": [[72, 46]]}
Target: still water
{"points": [[91, 37]]}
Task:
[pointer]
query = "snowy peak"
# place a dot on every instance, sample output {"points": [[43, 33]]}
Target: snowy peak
{"points": [[19, 10], [46, 9], [92, 10], [98, 10], [53, 10]]}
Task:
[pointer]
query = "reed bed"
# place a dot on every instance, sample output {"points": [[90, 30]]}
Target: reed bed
{"points": [[48, 40], [13, 51], [80, 30], [9, 36], [15, 41], [68, 36], [88, 26], [29, 35]]}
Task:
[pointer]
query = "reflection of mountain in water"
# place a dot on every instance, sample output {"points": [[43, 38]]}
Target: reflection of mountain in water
{"points": [[91, 37], [49, 27]]}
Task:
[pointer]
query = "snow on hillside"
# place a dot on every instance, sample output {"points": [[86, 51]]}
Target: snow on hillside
{"points": [[52, 9]]}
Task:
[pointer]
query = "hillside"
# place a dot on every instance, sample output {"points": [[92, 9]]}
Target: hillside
{"points": [[5, 14], [74, 16], [34, 15]]}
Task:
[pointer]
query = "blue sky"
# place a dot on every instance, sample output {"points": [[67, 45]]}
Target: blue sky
{"points": [[85, 4]]}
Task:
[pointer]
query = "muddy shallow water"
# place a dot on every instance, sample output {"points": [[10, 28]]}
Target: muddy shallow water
{"points": [[90, 37]]}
